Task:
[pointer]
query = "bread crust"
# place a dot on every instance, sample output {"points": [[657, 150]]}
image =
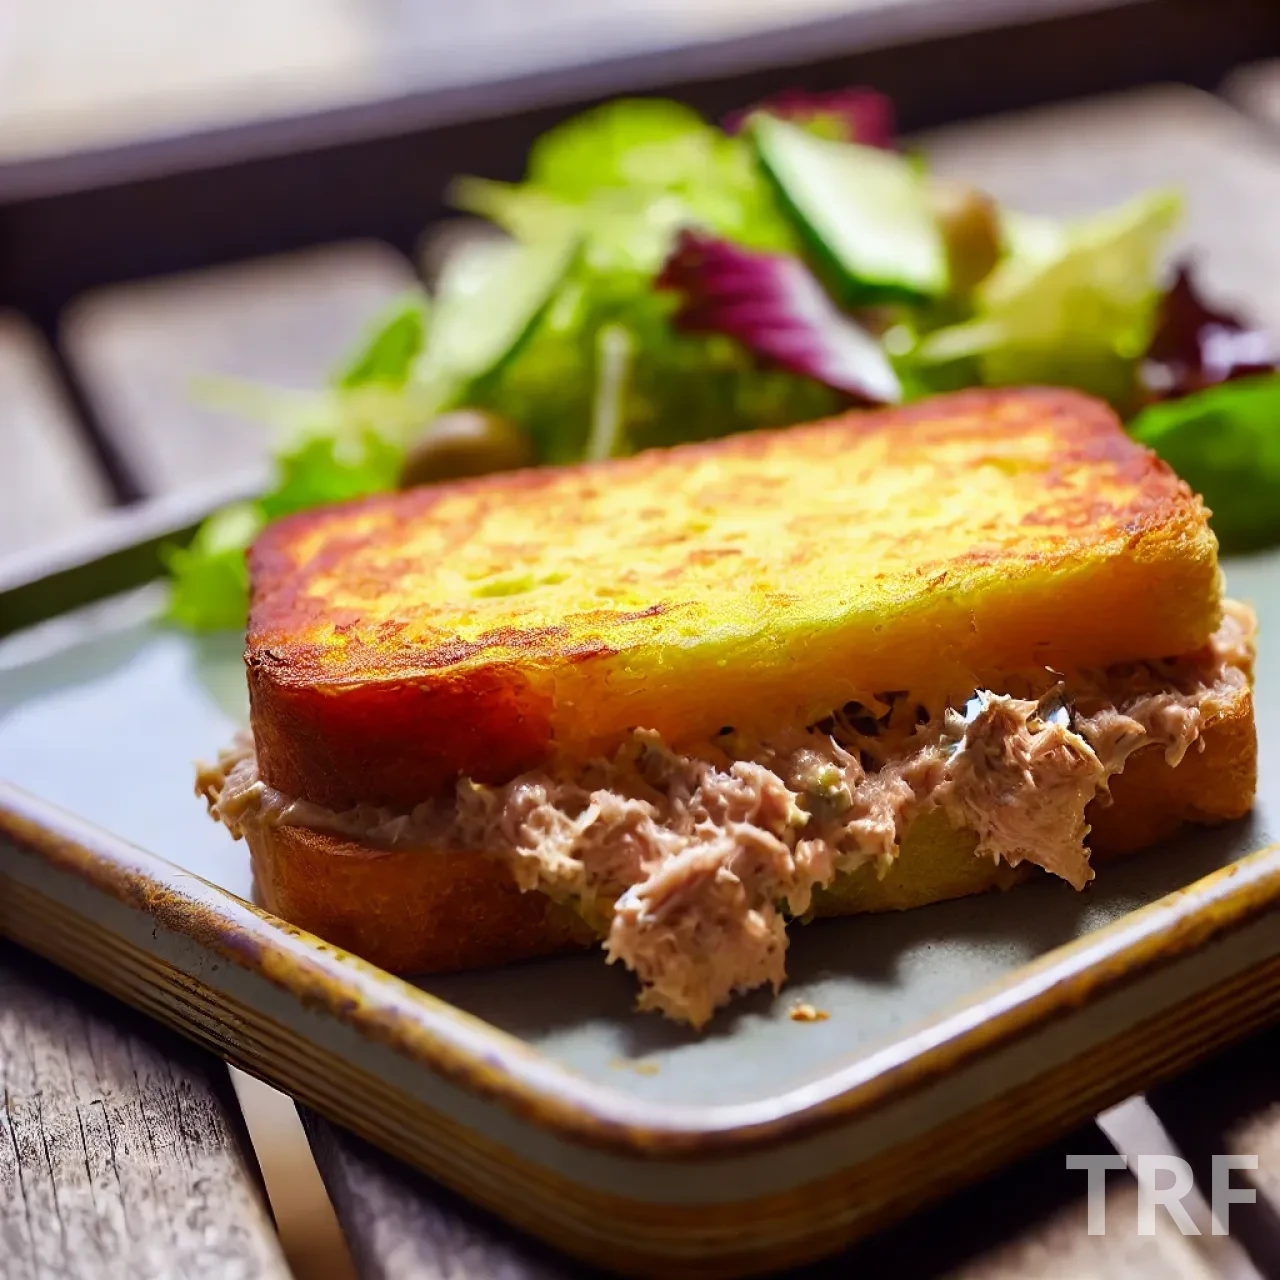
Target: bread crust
{"points": [[431, 911]]}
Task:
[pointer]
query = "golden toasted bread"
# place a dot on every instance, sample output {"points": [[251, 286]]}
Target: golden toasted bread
{"points": [[435, 910], [488, 627]]}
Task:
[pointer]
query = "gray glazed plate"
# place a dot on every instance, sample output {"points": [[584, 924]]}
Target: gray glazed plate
{"points": [[957, 1036]]}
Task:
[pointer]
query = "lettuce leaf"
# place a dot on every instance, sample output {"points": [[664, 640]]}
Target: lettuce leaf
{"points": [[679, 386], [1224, 442], [1071, 304], [523, 211], [649, 148], [341, 443], [626, 179], [774, 306], [323, 469], [634, 168], [392, 344], [209, 582], [629, 142], [1196, 345]]}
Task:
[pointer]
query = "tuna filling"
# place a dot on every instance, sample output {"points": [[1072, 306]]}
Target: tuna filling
{"points": [[689, 863]]}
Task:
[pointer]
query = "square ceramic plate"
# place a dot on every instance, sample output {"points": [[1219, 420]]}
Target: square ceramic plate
{"points": [[958, 1035]]}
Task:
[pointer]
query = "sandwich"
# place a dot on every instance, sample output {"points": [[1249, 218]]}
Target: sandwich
{"points": [[674, 703]]}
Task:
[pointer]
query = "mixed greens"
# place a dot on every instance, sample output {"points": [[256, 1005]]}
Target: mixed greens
{"points": [[656, 278]]}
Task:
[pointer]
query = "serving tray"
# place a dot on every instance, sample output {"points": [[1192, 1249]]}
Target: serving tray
{"points": [[956, 1037]]}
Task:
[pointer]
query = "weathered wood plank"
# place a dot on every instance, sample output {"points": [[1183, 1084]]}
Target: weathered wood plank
{"points": [[50, 482], [121, 1149], [1031, 1219], [1230, 1106], [1085, 156], [1060, 1245], [401, 1226], [140, 350]]}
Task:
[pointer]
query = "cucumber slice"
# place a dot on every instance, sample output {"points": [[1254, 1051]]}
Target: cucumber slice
{"points": [[490, 295], [865, 213]]}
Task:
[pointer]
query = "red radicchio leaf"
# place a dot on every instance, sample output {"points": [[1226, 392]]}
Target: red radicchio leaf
{"points": [[773, 305], [845, 115], [1196, 346]]}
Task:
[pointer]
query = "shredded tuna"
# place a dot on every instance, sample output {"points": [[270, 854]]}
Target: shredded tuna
{"points": [[690, 863], [1021, 781]]}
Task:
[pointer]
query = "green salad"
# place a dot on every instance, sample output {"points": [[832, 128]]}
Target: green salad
{"points": [[656, 278]]}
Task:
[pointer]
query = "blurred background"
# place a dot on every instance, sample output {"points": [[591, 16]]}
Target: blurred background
{"points": [[143, 142], [199, 191], [192, 189], [75, 74]]}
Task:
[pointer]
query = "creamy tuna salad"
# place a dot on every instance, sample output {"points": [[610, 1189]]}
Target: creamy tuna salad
{"points": [[690, 863]]}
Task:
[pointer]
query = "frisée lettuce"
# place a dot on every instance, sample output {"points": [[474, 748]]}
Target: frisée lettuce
{"points": [[1071, 303]]}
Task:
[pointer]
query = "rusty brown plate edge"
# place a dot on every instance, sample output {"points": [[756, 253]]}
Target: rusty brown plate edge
{"points": [[497, 1067], [1034, 1110]]}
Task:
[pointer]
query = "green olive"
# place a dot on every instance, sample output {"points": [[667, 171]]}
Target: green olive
{"points": [[970, 227], [466, 442]]}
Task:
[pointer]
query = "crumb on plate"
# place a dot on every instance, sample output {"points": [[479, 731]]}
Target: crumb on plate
{"points": [[805, 1012], [638, 1065]]}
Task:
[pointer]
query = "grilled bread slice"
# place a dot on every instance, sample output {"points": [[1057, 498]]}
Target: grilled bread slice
{"points": [[490, 627]]}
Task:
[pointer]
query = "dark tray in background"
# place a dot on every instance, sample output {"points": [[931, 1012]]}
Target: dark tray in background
{"points": [[378, 169]]}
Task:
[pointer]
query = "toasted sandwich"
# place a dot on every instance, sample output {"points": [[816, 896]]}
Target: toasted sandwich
{"points": [[674, 702]]}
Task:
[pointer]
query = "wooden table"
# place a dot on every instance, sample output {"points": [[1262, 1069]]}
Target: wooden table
{"points": [[123, 1151]]}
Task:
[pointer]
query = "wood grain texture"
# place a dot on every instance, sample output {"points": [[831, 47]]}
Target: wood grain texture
{"points": [[49, 483], [1084, 156], [402, 1226], [1060, 1244], [120, 1146], [1231, 1106], [1029, 1220], [140, 351]]}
